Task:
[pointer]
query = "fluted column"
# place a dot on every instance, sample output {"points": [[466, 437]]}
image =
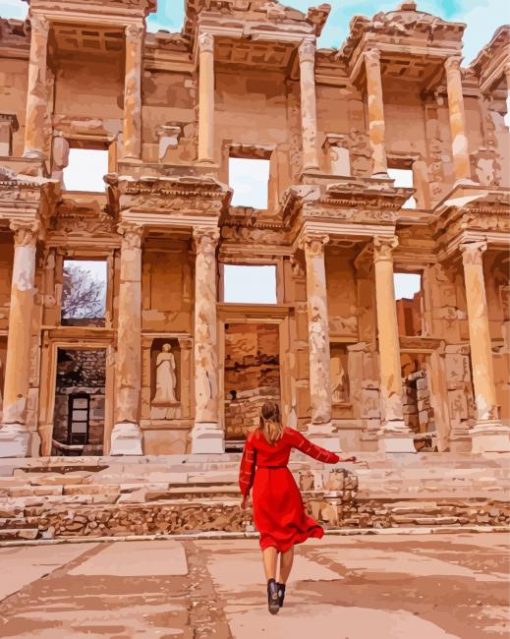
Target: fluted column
{"points": [[36, 108], [126, 435], [206, 98], [394, 434], [320, 428], [206, 436], [14, 435], [376, 125], [460, 150], [133, 91], [308, 104], [488, 434]]}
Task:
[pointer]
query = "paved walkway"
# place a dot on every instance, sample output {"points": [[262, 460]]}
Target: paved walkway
{"points": [[387, 587]]}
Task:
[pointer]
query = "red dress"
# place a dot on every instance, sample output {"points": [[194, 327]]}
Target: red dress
{"points": [[278, 509]]}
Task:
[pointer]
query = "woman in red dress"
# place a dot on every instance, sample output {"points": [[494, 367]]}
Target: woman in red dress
{"points": [[278, 509]]}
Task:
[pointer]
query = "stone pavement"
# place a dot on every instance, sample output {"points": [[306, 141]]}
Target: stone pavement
{"points": [[389, 586]]}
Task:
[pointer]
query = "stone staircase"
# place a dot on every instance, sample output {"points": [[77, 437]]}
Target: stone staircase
{"points": [[56, 497]]}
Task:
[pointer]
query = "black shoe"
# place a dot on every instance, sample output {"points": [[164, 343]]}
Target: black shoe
{"points": [[272, 597], [281, 593]]}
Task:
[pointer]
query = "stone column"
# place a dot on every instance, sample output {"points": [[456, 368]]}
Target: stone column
{"points": [[206, 98], [308, 104], [126, 435], [206, 436], [132, 132], [320, 428], [488, 434], [376, 126], [35, 120], [394, 434], [460, 151], [14, 435]]}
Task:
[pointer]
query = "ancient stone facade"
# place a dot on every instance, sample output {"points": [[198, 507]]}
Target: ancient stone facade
{"points": [[245, 79]]}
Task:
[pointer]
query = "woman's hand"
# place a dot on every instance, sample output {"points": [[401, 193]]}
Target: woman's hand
{"points": [[244, 502], [352, 459]]}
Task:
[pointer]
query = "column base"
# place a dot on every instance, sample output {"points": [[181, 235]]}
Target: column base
{"points": [[322, 435], [490, 437], [394, 437], [460, 441], [14, 440], [207, 437], [126, 439]]}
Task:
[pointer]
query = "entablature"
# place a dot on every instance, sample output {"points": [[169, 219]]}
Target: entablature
{"points": [[352, 205], [167, 202], [413, 45], [472, 214]]}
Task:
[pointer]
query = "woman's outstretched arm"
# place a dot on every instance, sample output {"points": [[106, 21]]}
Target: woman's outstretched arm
{"points": [[303, 444], [247, 468]]}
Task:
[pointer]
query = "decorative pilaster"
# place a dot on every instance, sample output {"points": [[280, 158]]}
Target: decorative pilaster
{"points": [[320, 428], [376, 125], [460, 150], [206, 98], [206, 436], [126, 434], [308, 104], [394, 434], [133, 91], [488, 434], [36, 90], [14, 435]]}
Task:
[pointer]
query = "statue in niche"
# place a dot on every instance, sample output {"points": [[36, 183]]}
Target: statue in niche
{"points": [[339, 381], [166, 379]]}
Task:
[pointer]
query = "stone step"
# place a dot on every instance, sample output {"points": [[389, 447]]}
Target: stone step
{"points": [[13, 534]]}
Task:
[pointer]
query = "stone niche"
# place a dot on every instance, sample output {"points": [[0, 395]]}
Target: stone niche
{"points": [[165, 379]]}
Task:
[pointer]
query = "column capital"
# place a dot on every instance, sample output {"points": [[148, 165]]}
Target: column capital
{"points": [[132, 234], [384, 247], [205, 239], [205, 42], [452, 63], [472, 252], [25, 233], [134, 32], [313, 243], [306, 50], [185, 343], [372, 56], [39, 23]]}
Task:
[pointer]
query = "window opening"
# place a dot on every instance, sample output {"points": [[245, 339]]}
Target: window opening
{"points": [[249, 284], [404, 179], [84, 293], [409, 300], [250, 180], [86, 169]]}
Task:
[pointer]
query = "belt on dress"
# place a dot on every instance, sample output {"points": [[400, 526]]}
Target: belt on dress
{"points": [[272, 466]]}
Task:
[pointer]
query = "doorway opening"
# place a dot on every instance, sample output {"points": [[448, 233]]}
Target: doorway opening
{"points": [[417, 400], [252, 376], [79, 416]]}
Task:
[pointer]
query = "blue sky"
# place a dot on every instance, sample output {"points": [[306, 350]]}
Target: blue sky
{"points": [[482, 16]]}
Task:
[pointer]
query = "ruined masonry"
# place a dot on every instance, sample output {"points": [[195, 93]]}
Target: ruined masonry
{"points": [[173, 370]]}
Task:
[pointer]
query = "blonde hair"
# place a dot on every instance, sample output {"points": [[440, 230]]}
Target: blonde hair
{"points": [[270, 424]]}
